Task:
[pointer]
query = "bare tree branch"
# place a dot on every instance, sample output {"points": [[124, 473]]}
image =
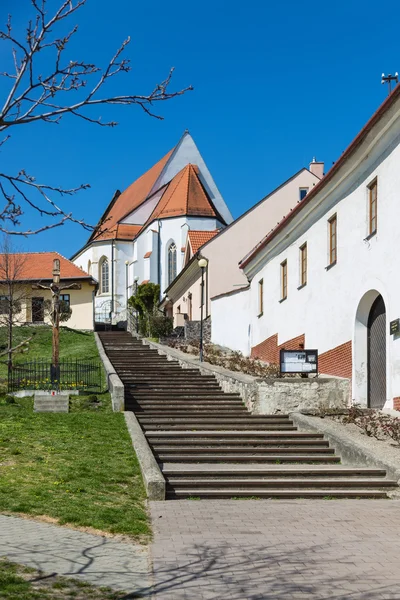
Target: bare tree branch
{"points": [[35, 97]]}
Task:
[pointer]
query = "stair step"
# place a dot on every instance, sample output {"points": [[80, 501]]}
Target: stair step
{"points": [[267, 458], [248, 420], [234, 433], [276, 493], [245, 451], [181, 443], [274, 472], [257, 482]]}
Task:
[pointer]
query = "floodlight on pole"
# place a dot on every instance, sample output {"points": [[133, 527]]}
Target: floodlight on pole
{"points": [[202, 262]]}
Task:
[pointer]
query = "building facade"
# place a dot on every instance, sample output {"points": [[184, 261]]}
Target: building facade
{"points": [[142, 234], [225, 248], [327, 276], [21, 277]]}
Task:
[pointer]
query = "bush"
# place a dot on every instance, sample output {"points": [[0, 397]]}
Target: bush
{"points": [[160, 326]]}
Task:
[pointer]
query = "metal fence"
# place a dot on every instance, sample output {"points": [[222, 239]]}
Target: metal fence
{"points": [[75, 374]]}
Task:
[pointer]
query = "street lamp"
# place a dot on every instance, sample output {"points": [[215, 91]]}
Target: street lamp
{"points": [[127, 281], [202, 262], [135, 289]]}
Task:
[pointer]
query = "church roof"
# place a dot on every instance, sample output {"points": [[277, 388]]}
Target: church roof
{"points": [[130, 199], [197, 239], [184, 195], [178, 184]]}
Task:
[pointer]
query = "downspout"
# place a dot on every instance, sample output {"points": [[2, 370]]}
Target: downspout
{"points": [[159, 256], [112, 278]]}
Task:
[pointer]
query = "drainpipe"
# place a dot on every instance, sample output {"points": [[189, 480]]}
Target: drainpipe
{"points": [[159, 257], [112, 278]]}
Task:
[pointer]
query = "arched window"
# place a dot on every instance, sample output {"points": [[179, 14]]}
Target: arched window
{"points": [[104, 276], [171, 263]]}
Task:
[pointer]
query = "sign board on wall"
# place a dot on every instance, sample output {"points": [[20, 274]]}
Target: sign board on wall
{"points": [[299, 361], [394, 326]]}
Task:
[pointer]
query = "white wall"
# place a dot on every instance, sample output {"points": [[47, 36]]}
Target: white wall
{"points": [[325, 309], [230, 324]]}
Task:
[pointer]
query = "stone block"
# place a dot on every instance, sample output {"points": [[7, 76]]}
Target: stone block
{"points": [[46, 402]]}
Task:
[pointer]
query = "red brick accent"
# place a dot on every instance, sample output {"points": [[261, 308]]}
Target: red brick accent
{"points": [[268, 350], [396, 403], [336, 361]]}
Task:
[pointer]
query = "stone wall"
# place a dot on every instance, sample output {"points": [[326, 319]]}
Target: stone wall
{"points": [[192, 330], [272, 395]]}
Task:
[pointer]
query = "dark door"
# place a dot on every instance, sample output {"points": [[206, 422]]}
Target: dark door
{"points": [[37, 310], [377, 354]]}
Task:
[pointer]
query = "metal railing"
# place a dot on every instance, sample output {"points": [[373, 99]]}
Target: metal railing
{"points": [[39, 374]]}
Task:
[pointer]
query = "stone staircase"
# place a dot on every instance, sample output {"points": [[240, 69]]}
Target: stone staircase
{"points": [[208, 445]]}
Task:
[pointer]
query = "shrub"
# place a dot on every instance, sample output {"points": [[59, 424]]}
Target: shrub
{"points": [[391, 427], [160, 325]]}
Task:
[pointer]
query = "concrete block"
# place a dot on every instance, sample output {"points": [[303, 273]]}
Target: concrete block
{"points": [[153, 478], [46, 402], [114, 384]]}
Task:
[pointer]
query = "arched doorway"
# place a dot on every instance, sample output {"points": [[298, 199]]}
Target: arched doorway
{"points": [[376, 354]]}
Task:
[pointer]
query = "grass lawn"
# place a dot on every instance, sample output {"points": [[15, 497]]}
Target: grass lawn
{"points": [[79, 468], [73, 344], [21, 583]]}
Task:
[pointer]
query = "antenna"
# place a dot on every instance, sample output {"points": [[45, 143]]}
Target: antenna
{"points": [[389, 78]]}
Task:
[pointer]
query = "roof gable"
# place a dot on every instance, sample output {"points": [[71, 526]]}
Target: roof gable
{"points": [[185, 195]]}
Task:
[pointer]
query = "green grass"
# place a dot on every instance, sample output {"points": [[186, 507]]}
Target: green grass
{"points": [[79, 468], [73, 344], [21, 583]]}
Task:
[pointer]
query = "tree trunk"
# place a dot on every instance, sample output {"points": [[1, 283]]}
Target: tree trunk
{"points": [[56, 338], [10, 329]]}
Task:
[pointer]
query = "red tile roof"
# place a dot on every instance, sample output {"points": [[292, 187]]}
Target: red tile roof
{"points": [[35, 266], [133, 196], [184, 195], [384, 107], [145, 281], [117, 232], [147, 255], [197, 239]]}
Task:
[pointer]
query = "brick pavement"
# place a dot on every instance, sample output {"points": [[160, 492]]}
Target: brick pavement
{"points": [[285, 550], [59, 550]]}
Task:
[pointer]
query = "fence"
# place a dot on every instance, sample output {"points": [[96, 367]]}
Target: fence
{"points": [[70, 375]]}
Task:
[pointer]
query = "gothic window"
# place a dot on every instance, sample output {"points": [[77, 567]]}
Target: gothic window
{"points": [[104, 276], [171, 263]]}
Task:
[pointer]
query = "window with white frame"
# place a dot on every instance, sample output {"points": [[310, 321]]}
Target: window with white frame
{"points": [[104, 276], [171, 263]]}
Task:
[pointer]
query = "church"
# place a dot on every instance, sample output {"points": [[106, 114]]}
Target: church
{"points": [[142, 234]]}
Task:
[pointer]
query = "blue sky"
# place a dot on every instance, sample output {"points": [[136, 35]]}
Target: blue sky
{"points": [[275, 84]]}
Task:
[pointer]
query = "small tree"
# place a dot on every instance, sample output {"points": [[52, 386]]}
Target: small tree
{"points": [[152, 321], [14, 295]]}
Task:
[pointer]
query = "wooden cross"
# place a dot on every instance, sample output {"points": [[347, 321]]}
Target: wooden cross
{"points": [[55, 287]]}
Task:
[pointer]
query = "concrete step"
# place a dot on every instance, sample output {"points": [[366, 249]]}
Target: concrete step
{"points": [[222, 471], [251, 420], [329, 493], [166, 449], [243, 443], [240, 458], [201, 427], [244, 435], [293, 484]]}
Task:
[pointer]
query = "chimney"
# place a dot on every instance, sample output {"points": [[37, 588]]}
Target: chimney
{"points": [[317, 168]]}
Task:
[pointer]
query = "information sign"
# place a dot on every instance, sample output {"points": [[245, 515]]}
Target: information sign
{"points": [[299, 361]]}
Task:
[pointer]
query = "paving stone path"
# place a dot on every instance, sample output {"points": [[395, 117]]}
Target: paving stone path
{"points": [[281, 550], [59, 550]]}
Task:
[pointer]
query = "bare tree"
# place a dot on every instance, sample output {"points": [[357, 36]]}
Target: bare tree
{"points": [[14, 295], [34, 96]]}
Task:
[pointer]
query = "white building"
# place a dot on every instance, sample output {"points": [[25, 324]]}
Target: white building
{"points": [[142, 234], [327, 277], [224, 249]]}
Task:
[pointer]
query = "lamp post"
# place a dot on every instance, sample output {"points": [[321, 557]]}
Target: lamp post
{"points": [[203, 262], [126, 282], [135, 289]]}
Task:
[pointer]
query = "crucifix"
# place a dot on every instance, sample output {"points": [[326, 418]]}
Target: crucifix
{"points": [[56, 288]]}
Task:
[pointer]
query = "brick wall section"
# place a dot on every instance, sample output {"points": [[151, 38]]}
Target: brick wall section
{"points": [[396, 403], [268, 350], [336, 361]]}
